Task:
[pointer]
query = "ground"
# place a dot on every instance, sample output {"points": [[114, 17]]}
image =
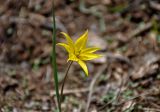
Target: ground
{"points": [[125, 79]]}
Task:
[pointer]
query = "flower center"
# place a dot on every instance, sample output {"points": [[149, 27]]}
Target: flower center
{"points": [[78, 53]]}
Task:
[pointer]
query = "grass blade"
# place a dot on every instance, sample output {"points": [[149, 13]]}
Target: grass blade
{"points": [[54, 64]]}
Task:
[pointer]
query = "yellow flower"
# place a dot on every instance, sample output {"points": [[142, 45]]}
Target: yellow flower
{"points": [[78, 51]]}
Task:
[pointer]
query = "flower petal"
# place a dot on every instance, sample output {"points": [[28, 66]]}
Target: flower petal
{"points": [[69, 40], [67, 47], [90, 50], [89, 56], [84, 66], [82, 41]]}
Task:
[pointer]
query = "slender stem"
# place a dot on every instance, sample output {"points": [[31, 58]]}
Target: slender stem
{"points": [[61, 95], [54, 64]]}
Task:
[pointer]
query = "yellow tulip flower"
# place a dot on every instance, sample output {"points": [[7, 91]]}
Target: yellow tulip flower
{"points": [[78, 50]]}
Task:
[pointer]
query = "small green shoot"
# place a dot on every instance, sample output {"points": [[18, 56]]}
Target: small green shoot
{"points": [[108, 97], [127, 94], [36, 64], [117, 8]]}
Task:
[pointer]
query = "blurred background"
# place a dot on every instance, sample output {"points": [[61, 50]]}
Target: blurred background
{"points": [[125, 79]]}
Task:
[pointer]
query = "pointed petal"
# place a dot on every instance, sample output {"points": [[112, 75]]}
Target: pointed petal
{"points": [[90, 50], [82, 41], [69, 40], [89, 56], [84, 66], [67, 47]]}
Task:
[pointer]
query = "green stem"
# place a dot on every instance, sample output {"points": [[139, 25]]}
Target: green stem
{"points": [[54, 64], [65, 78]]}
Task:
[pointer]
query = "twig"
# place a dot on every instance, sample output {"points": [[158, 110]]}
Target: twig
{"points": [[92, 85], [129, 106], [44, 24], [140, 30], [155, 105], [118, 57], [154, 5], [72, 91], [79, 90], [120, 89], [151, 110]]}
